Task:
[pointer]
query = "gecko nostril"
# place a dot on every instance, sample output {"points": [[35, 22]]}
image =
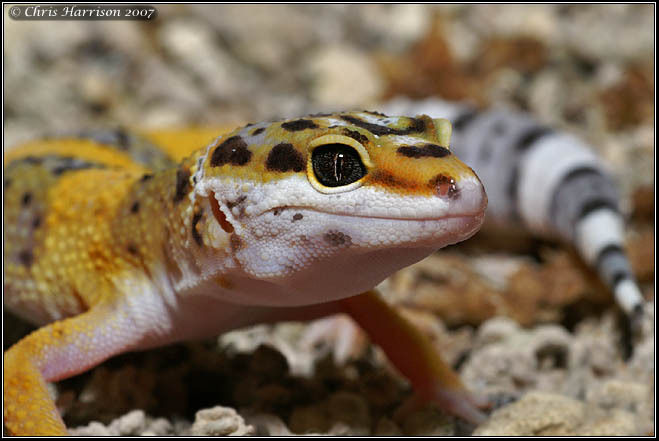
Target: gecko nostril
{"points": [[445, 186]]}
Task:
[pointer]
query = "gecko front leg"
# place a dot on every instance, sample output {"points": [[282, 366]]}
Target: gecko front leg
{"points": [[60, 350], [414, 356]]}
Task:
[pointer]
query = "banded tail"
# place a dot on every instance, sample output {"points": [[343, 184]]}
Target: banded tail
{"points": [[547, 181]]}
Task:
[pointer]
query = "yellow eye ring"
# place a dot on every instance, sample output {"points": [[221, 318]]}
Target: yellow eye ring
{"points": [[329, 140]]}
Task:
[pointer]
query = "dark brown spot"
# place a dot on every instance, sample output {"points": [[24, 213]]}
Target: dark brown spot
{"points": [[26, 258], [283, 157], [182, 184], [425, 150], [417, 125], [390, 180], [237, 202], [195, 233], [277, 211], [299, 124], [297, 217], [236, 243], [232, 151], [132, 249], [146, 177], [26, 199], [338, 239], [445, 186], [354, 134], [258, 131], [7, 183], [373, 112], [36, 222], [135, 207]]}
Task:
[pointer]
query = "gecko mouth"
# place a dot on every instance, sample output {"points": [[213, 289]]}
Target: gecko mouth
{"points": [[474, 218], [475, 214], [219, 215]]}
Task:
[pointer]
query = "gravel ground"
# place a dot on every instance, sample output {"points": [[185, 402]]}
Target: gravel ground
{"points": [[522, 321]]}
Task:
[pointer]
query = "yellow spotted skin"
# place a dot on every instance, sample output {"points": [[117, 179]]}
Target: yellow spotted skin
{"points": [[66, 243], [94, 223], [390, 169]]}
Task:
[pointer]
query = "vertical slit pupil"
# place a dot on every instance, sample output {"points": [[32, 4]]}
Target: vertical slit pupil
{"points": [[335, 165]]}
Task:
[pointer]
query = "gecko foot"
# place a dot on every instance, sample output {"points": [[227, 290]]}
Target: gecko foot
{"points": [[340, 333], [458, 402]]}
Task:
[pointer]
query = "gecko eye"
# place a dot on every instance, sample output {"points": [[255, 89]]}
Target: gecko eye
{"points": [[336, 165]]}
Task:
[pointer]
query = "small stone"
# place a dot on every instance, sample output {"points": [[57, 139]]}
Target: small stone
{"points": [[617, 423], [496, 330], [220, 421], [535, 414], [92, 429], [618, 394], [552, 347], [160, 427], [133, 423]]}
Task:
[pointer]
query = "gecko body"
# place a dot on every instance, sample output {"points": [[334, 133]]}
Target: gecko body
{"points": [[118, 241]]}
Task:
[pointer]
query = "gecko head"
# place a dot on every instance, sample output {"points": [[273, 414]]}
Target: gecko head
{"points": [[327, 206]]}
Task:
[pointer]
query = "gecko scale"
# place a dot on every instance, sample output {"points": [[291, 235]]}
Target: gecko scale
{"points": [[118, 241]]}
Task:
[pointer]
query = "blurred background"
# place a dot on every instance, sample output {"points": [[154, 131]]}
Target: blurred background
{"points": [[588, 69]]}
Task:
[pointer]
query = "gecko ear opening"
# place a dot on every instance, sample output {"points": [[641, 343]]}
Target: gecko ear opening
{"points": [[443, 129]]}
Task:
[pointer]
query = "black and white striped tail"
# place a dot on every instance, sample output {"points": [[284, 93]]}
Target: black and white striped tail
{"points": [[547, 181]]}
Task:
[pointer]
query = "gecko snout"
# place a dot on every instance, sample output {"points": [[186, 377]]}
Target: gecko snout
{"points": [[466, 195]]}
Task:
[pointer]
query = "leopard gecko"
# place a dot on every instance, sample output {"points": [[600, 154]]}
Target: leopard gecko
{"points": [[118, 241]]}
